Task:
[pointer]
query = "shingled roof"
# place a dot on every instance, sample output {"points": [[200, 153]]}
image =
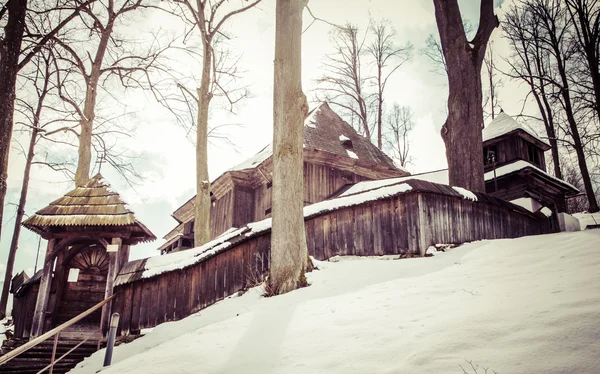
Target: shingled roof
{"points": [[91, 204], [326, 131]]}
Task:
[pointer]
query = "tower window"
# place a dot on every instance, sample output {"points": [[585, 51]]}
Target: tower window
{"points": [[533, 154], [490, 155]]}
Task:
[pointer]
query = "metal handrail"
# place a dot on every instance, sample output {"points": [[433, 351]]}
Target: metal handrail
{"points": [[32, 343]]}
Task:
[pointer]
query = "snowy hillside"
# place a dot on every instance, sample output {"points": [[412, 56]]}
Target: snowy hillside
{"points": [[529, 305]]}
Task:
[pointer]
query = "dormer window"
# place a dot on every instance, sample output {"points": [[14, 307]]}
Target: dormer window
{"points": [[346, 142]]}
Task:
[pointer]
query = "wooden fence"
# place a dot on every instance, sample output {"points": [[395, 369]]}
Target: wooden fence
{"points": [[407, 223]]}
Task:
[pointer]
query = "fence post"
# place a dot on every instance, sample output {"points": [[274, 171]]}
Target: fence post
{"points": [[114, 323]]}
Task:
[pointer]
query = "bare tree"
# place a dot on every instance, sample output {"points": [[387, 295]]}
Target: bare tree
{"points": [[554, 22], [462, 131], [208, 18], [387, 58], [585, 20], [15, 44], [288, 239], [113, 56], [399, 124], [529, 62], [490, 99], [344, 83], [43, 74]]}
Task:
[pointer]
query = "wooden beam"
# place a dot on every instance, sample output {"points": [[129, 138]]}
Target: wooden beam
{"points": [[113, 268], [123, 256], [58, 283], [39, 316]]}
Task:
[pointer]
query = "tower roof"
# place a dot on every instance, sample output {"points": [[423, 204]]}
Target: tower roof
{"points": [[93, 204], [504, 124]]}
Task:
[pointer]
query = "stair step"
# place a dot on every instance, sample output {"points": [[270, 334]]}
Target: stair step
{"points": [[38, 357]]}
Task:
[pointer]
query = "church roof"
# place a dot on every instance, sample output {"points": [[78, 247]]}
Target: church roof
{"points": [[326, 131], [504, 124], [92, 204]]}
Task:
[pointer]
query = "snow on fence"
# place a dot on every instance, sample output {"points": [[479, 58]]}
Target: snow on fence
{"points": [[407, 222]]}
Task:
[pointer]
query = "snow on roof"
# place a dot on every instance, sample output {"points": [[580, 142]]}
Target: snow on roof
{"points": [[343, 138], [466, 194], [182, 259], [311, 120], [352, 154], [256, 160], [504, 124], [519, 165], [438, 176]]}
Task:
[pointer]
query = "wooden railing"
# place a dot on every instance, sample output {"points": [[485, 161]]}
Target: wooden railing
{"points": [[55, 332]]}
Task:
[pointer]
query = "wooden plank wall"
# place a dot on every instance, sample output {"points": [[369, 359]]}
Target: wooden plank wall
{"points": [[407, 223], [452, 220], [22, 312], [243, 207], [320, 182], [221, 214], [177, 294]]}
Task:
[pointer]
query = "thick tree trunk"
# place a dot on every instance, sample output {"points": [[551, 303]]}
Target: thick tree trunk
{"points": [[288, 238], [202, 201], [18, 219], [462, 131], [10, 48]]}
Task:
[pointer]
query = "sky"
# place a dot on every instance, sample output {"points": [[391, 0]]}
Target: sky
{"points": [[166, 160]]}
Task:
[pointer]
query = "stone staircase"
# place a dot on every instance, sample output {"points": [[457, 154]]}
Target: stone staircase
{"points": [[36, 358]]}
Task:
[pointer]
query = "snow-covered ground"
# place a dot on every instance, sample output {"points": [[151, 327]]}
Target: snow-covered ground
{"points": [[528, 305], [587, 219]]}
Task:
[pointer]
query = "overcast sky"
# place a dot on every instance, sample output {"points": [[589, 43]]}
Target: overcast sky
{"points": [[167, 161]]}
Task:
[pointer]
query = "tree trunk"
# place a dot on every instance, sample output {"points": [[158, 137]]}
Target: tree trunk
{"points": [[10, 48], [202, 201], [288, 238], [84, 161], [379, 106], [18, 219], [462, 131]]}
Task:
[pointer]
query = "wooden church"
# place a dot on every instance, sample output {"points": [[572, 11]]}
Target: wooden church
{"points": [[335, 157]]}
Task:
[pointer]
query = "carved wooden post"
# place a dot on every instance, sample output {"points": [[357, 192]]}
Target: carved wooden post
{"points": [[39, 316], [113, 268]]}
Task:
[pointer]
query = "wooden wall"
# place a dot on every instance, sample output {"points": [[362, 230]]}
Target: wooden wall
{"points": [[514, 148], [23, 309], [221, 214], [320, 183], [407, 223]]}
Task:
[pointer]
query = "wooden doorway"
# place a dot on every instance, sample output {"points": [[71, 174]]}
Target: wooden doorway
{"points": [[84, 286]]}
